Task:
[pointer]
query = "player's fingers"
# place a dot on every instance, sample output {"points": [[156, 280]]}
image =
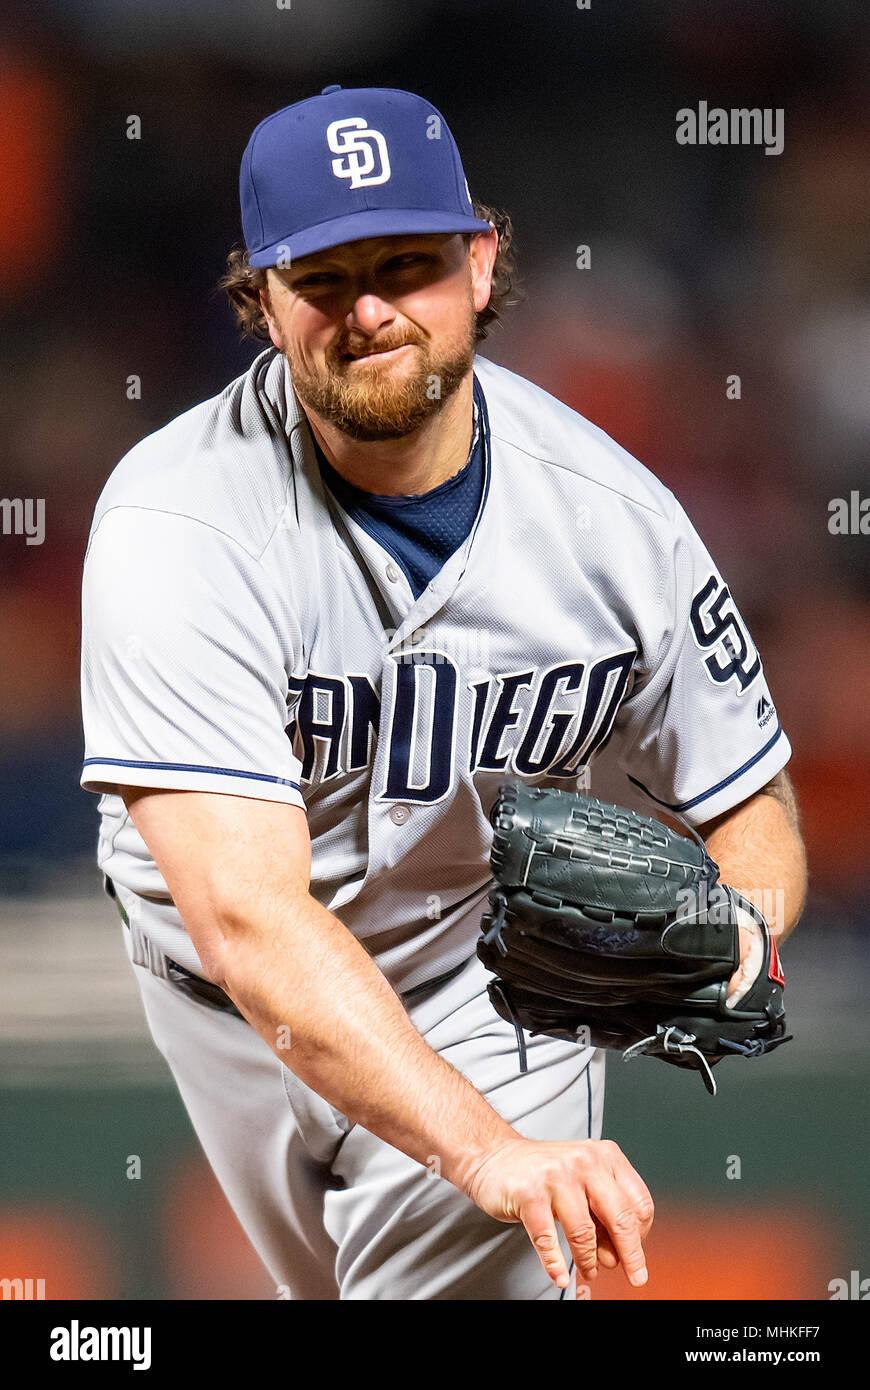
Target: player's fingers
{"points": [[607, 1256], [634, 1189], [751, 960], [537, 1217], [581, 1231], [627, 1221]]}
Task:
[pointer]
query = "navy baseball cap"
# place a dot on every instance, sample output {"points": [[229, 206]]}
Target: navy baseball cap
{"points": [[348, 164]]}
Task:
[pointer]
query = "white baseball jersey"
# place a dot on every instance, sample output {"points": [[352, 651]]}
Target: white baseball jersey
{"points": [[242, 634]]}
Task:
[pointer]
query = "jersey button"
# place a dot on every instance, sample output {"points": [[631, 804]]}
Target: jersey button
{"points": [[392, 572], [399, 814]]}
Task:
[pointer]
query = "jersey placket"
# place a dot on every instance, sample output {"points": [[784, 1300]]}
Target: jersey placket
{"points": [[390, 821]]}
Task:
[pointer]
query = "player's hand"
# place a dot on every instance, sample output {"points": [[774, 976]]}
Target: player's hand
{"points": [[589, 1187], [751, 959]]}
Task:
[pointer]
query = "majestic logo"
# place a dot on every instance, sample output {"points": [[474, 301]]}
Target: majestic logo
{"points": [[364, 158], [764, 711]]}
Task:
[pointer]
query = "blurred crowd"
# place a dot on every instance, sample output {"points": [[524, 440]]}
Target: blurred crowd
{"points": [[704, 264]]}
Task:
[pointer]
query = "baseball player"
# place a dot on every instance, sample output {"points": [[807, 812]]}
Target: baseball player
{"points": [[326, 614]]}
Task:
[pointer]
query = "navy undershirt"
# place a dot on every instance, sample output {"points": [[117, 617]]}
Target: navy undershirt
{"points": [[423, 530]]}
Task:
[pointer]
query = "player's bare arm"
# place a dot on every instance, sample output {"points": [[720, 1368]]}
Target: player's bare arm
{"points": [[758, 847], [760, 852], [238, 871]]}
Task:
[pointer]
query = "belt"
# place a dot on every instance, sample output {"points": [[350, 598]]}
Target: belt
{"points": [[198, 988]]}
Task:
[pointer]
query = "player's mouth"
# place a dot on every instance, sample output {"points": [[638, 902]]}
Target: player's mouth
{"points": [[386, 354]]}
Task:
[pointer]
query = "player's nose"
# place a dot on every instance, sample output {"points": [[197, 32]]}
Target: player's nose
{"points": [[369, 313]]}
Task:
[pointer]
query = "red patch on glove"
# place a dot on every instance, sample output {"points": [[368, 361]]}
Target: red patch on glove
{"points": [[775, 971]]}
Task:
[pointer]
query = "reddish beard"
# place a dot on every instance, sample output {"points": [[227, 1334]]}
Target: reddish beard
{"points": [[373, 402]]}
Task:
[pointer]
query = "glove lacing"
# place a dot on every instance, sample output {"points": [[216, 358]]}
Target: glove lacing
{"points": [[499, 905], [673, 1039]]}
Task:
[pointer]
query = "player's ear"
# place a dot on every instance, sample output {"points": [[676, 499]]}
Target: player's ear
{"points": [[482, 254]]}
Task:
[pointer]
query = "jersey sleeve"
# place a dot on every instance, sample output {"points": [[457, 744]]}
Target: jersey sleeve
{"points": [[184, 666], [702, 733]]}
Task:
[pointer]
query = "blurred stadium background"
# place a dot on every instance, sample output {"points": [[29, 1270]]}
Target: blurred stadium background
{"points": [[704, 262]]}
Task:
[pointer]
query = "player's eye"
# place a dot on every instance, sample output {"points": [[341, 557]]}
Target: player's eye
{"points": [[316, 280], [408, 260]]}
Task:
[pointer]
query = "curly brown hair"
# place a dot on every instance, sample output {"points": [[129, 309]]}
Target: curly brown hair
{"points": [[242, 282]]}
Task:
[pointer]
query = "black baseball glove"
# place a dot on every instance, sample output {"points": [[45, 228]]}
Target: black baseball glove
{"points": [[609, 929]]}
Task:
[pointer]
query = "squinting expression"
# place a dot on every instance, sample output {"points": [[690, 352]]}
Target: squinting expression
{"points": [[378, 334]]}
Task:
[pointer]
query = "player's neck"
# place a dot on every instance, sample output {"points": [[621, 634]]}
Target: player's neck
{"points": [[416, 463]]}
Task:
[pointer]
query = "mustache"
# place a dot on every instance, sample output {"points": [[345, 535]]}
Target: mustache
{"points": [[349, 347]]}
